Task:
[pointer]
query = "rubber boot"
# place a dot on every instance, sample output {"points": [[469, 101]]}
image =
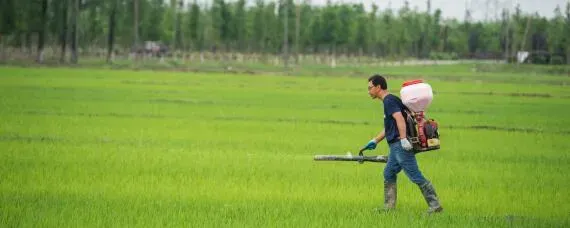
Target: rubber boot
{"points": [[428, 191], [390, 195]]}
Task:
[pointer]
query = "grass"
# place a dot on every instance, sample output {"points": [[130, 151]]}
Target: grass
{"points": [[112, 148]]}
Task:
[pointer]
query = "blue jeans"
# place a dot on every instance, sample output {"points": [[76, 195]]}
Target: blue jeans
{"points": [[400, 159]]}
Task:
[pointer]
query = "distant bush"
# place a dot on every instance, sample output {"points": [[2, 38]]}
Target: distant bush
{"points": [[443, 56], [557, 60], [544, 57]]}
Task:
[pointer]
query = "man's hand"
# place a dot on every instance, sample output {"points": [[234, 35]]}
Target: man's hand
{"points": [[406, 144], [371, 145]]}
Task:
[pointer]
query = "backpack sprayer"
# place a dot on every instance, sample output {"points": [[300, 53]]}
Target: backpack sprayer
{"points": [[421, 131]]}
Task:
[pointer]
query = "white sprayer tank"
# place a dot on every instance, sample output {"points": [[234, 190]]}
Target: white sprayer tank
{"points": [[416, 95]]}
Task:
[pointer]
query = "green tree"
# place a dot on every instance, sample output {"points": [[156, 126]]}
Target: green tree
{"points": [[329, 27], [112, 5], [343, 32], [8, 17], [42, 30], [258, 33], [566, 40], [271, 26], [221, 17], [195, 33], [556, 31], [361, 38], [151, 26], [238, 26]]}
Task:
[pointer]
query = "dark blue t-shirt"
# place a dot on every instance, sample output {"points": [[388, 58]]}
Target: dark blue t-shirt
{"points": [[392, 104]]}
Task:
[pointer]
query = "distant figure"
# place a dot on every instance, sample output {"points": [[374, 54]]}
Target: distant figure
{"points": [[401, 156]]}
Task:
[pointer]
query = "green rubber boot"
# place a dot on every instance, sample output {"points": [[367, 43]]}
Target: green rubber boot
{"points": [[390, 195], [428, 191]]}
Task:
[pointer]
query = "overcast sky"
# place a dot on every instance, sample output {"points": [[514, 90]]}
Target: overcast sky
{"points": [[455, 8]]}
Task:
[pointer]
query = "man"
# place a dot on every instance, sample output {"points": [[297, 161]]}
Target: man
{"points": [[401, 154]]}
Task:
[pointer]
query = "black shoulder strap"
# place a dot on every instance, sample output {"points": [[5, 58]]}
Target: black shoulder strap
{"points": [[405, 109]]}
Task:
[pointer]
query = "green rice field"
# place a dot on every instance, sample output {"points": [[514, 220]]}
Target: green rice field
{"points": [[120, 148]]}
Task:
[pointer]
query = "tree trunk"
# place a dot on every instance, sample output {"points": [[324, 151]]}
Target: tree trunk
{"points": [[180, 33], [507, 40], [2, 51], [174, 20], [63, 32], [74, 16], [18, 40], [297, 32], [524, 38], [333, 56], [135, 24], [41, 36], [111, 35], [177, 26], [286, 35], [28, 42]]}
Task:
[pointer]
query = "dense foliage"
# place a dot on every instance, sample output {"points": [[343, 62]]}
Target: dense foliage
{"points": [[259, 28]]}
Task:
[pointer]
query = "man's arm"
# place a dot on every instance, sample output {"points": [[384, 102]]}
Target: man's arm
{"points": [[400, 123], [380, 136]]}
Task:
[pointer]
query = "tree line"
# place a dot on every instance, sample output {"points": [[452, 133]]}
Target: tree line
{"points": [[276, 27]]}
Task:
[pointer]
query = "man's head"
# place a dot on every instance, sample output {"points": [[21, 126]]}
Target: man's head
{"points": [[377, 86]]}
